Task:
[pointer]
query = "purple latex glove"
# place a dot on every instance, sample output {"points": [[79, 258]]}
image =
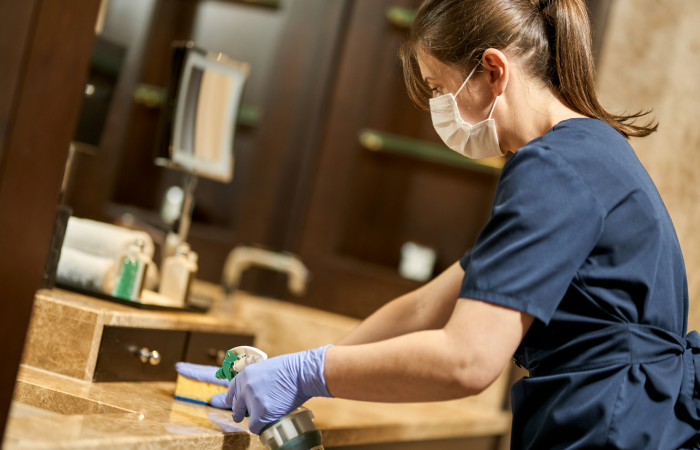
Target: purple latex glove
{"points": [[272, 388], [206, 374]]}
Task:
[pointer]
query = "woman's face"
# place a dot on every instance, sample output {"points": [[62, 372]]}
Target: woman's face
{"points": [[474, 101]]}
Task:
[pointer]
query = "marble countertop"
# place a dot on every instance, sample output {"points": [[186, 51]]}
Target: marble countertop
{"points": [[115, 314], [146, 416], [78, 414]]}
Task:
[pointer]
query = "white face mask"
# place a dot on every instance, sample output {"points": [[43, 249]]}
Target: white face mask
{"points": [[478, 141]]}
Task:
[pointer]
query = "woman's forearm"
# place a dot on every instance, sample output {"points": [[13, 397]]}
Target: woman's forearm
{"points": [[411, 368], [423, 309], [396, 318], [461, 359]]}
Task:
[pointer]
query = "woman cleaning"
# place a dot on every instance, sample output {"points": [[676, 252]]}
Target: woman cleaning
{"points": [[578, 273]]}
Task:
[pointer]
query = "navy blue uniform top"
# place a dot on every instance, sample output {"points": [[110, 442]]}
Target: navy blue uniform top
{"points": [[580, 239]]}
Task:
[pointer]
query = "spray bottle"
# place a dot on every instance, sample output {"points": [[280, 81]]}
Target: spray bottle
{"points": [[294, 431]]}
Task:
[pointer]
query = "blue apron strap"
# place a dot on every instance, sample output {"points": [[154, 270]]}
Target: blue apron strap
{"points": [[629, 344], [690, 386]]}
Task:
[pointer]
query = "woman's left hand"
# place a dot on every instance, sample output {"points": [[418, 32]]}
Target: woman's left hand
{"points": [[272, 388], [206, 374]]}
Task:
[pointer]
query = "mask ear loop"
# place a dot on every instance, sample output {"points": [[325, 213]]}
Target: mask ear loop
{"points": [[465, 81], [493, 107]]}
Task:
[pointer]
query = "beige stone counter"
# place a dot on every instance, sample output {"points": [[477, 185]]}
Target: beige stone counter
{"points": [[78, 414], [146, 416], [116, 416]]}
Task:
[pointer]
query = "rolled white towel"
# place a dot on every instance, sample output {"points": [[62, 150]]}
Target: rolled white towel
{"points": [[90, 242], [84, 270], [103, 239]]}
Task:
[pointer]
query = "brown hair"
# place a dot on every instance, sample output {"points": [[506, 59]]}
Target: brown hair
{"points": [[551, 37]]}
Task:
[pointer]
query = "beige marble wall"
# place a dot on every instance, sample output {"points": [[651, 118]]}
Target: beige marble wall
{"points": [[651, 59]]}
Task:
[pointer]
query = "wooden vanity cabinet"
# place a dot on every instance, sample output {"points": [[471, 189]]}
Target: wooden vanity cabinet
{"points": [[210, 348], [119, 358], [89, 339], [138, 354]]}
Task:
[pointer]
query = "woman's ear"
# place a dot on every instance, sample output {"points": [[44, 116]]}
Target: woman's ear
{"points": [[496, 65]]}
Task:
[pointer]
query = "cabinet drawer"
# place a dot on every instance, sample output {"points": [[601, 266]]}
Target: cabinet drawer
{"points": [[119, 358], [210, 348]]}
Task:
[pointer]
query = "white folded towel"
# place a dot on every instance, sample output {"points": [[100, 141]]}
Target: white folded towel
{"points": [[92, 252], [103, 239], [80, 269]]}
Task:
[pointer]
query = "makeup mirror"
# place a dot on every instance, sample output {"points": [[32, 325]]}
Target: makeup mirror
{"points": [[204, 96], [198, 128]]}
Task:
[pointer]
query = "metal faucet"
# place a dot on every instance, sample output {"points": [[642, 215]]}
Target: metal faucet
{"points": [[242, 257]]}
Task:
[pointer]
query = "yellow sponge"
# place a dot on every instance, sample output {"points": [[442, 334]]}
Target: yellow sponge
{"points": [[196, 391]]}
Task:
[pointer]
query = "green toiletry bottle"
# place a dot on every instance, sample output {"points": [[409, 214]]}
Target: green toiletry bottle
{"points": [[130, 280]]}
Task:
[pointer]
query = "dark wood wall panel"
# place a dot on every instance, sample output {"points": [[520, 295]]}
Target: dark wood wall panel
{"points": [[365, 205], [294, 117], [404, 200], [40, 110], [128, 23], [13, 44]]}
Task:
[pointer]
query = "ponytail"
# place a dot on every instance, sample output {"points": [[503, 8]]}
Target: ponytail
{"points": [[553, 38], [575, 69]]}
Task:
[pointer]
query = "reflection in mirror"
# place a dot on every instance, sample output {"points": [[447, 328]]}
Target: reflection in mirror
{"points": [[105, 65], [203, 100]]}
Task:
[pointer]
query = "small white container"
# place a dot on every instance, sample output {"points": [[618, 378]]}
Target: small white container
{"points": [[177, 274]]}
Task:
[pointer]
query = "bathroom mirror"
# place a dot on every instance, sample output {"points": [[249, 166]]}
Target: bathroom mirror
{"points": [[203, 102]]}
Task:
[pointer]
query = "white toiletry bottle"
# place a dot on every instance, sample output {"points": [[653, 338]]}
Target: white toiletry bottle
{"points": [[194, 258], [178, 271]]}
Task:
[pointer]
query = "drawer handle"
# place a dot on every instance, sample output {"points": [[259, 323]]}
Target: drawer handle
{"points": [[146, 355]]}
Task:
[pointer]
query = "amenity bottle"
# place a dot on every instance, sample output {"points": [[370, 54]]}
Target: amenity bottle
{"points": [[178, 272], [129, 282]]}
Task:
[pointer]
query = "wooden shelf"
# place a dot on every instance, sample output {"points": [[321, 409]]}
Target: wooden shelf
{"points": [[400, 17], [155, 96], [426, 151], [267, 3]]}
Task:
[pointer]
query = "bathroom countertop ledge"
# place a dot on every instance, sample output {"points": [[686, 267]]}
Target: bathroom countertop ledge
{"points": [[146, 416]]}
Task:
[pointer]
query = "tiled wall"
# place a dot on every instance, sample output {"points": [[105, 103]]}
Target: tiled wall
{"points": [[651, 59]]}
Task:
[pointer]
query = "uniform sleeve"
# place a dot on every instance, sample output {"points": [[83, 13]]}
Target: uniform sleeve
{"points": [[544, 223], [464, 262]]}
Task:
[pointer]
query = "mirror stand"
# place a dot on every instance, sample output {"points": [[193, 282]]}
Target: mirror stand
{"points": [[189, 184]]}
